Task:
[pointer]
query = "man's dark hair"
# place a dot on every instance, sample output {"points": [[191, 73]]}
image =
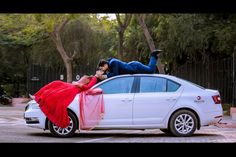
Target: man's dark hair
{"points": [[102, 62]]}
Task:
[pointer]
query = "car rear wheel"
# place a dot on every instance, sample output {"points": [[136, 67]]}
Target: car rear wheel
{"points": [[183, 123], [64, 132]]}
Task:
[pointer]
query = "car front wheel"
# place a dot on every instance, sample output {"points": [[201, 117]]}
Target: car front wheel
{"points": [[64, 132], [183, 123]]}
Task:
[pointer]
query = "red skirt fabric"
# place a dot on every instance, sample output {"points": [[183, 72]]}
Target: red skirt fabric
{"points": [[91, 108], [55, 97]]}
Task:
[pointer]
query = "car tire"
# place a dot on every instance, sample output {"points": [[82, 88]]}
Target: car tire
{"points": [[166, 131], [64, 132], [183, 123]]}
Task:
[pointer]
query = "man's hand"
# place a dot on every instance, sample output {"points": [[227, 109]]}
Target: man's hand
{"points": [[104, 77]]}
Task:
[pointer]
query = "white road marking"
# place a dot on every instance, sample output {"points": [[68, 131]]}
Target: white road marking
{"points": [[12, 121]]}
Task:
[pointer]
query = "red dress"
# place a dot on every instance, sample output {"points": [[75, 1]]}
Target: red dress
{"points": [[92, 108], [55, 97]]}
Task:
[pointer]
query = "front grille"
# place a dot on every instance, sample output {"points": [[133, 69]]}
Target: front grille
{"points": [[31, 120]]}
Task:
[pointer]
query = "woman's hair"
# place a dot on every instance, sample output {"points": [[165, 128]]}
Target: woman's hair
{"points": [[102, 62]]}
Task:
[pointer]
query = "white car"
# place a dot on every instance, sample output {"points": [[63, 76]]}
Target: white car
{"points": [[143, 101]]}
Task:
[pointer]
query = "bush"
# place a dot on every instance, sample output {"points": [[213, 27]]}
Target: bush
{"points": [[12, 91], [226, 109]]}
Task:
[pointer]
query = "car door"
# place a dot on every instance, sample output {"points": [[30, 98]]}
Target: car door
{"points": [[118, 99], [155, 98]]}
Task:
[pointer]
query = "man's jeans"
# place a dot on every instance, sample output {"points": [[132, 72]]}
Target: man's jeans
{"points": [[118, 67], [144, 69]]}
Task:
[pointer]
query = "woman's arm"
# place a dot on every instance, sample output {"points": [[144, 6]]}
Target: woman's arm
{"points": [[92, 82]]}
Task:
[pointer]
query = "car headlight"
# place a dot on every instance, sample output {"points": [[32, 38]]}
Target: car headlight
{"points": [[26, 107], [34, 106]]}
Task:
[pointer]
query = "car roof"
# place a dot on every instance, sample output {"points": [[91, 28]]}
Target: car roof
{"points": [[157, 75], [171, 77], [152, 75]]}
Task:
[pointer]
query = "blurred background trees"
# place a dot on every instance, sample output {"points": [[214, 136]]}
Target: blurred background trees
{"points": [[82, 39]]}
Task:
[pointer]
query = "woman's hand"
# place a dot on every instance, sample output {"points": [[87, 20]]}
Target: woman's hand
{"points": [[77, 84], [74, 83], [99, 74]]}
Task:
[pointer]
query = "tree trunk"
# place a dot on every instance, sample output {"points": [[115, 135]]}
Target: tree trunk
{"points": [[121, 30], [55, 35], [67, 61], [69, 71], [120, 44], [141, 20]]}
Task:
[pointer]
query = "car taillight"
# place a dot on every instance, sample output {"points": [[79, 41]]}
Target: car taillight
{"points": [[216, 99]]}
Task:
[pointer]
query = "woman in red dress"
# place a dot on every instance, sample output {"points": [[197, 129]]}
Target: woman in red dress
{"points": [[55, 97]]}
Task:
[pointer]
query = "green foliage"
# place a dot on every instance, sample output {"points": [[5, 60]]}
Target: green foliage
{"points": [[195, 36], [24, 39], [18, 29]]}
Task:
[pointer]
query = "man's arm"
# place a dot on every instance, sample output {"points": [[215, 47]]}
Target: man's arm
{"points": [[114, 69]]}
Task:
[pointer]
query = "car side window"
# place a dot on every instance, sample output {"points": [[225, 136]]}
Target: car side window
{"points": [[152, 84], [172, 86], [118, 85]]}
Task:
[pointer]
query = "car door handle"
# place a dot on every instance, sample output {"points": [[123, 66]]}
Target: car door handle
{"points": [[171, 99], [126, 100]]}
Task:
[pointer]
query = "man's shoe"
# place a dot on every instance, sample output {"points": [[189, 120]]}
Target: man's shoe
{"points": [[156, 52]]}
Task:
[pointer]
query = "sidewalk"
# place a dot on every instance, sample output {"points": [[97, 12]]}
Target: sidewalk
{"points": [[19, 102], [227, 122]]}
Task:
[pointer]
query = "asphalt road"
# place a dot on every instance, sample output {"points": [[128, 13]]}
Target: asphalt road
{"points": [[13, 130]]}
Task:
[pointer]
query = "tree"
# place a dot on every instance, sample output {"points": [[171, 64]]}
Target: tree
{"points": [[121, 30], [56, 37], [194, 37], [17, 34], [141, 20], [56, 25]]}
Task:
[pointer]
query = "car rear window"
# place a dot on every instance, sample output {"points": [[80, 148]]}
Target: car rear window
{"points": [[152, 84], [172, 86]]}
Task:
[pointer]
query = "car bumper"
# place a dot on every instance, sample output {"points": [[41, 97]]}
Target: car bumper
{"points": [[35, 118], [212, 118]]}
